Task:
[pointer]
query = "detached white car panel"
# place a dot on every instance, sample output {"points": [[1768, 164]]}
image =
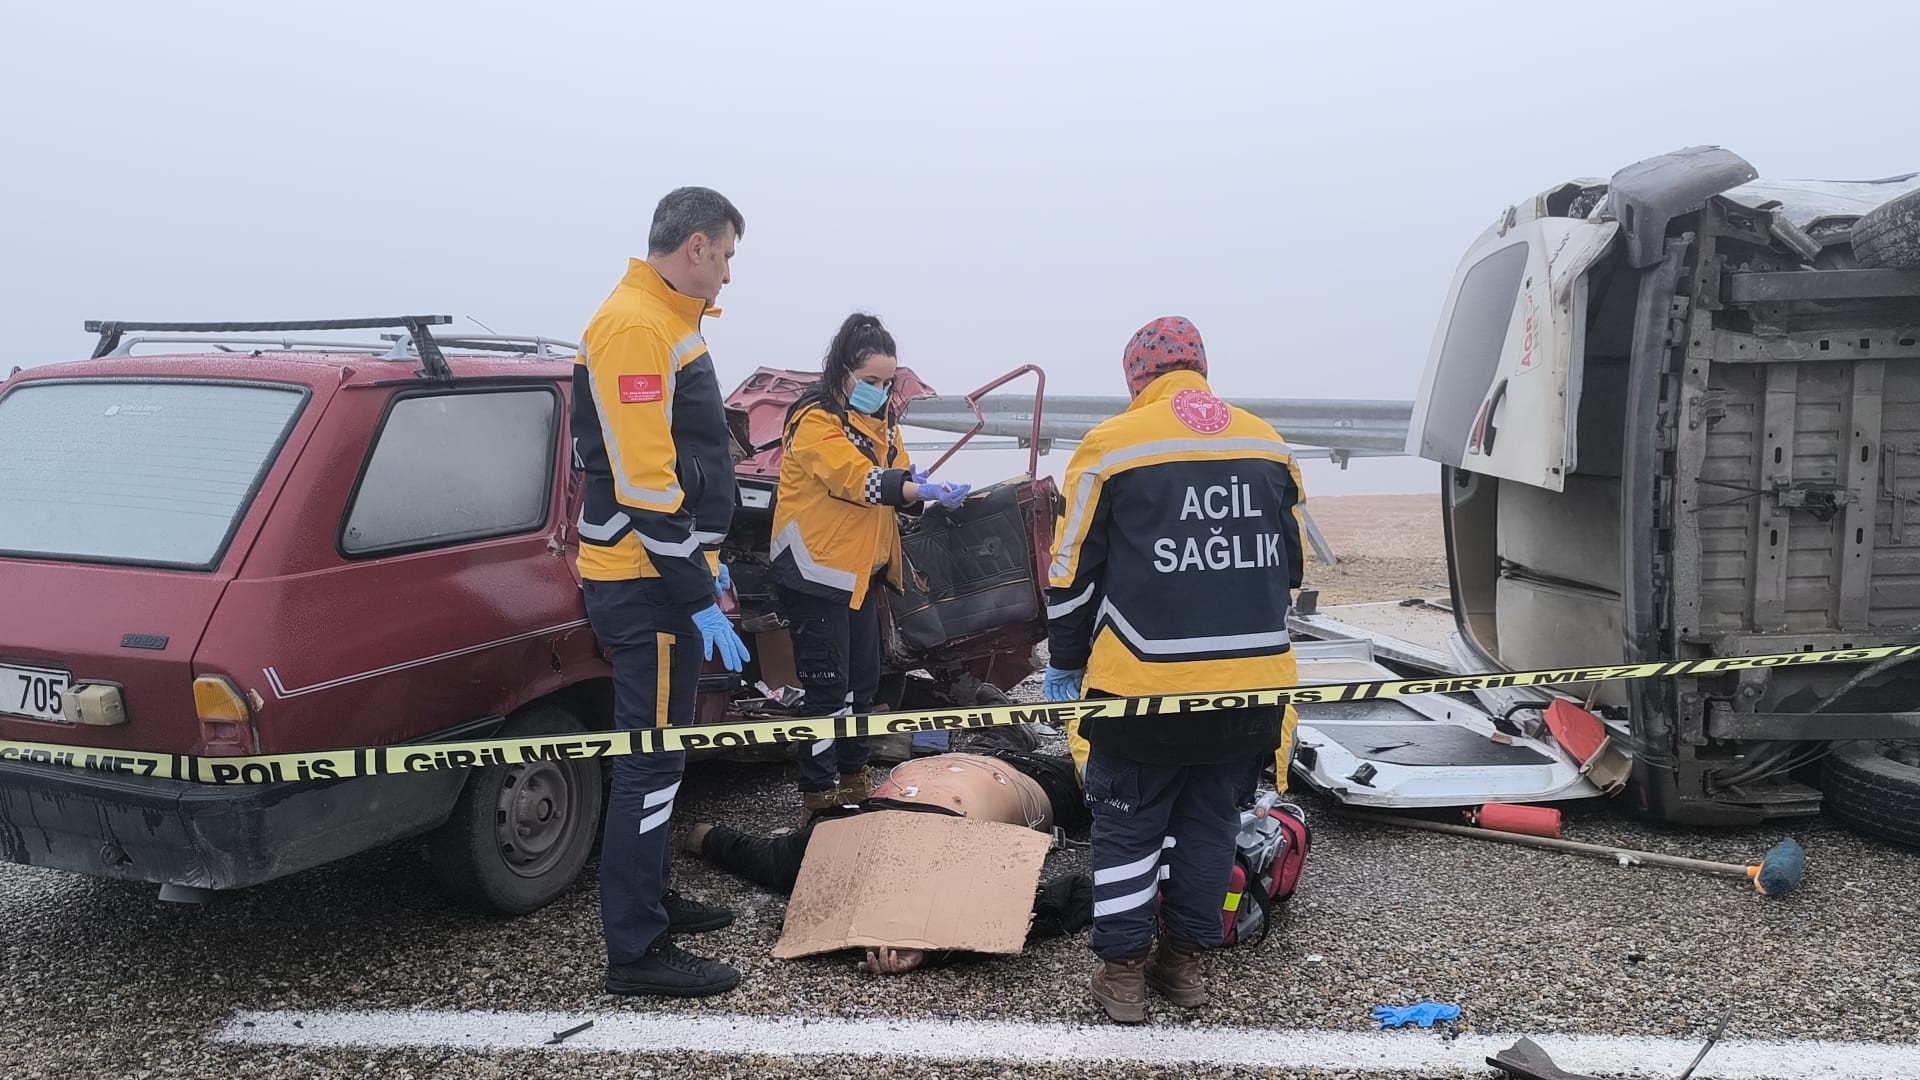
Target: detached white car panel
{"points": [[1429, 750]]}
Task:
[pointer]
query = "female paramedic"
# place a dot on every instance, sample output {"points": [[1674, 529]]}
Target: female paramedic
{"points": [[843, 480]]}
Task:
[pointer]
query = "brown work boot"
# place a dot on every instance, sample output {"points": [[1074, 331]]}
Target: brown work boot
{"points": [[812, 802], [1120, 986], [855, 789], [1175, 972]]}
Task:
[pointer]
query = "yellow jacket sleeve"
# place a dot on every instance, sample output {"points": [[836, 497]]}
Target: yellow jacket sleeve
{"points": [[633, 375], [1079, 560], [818, 443], [636, 382], [1297, 553]]}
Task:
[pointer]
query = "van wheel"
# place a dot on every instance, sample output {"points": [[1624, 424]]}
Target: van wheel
{"points": [[1874, 787], [520, 834], [1888, 237]]}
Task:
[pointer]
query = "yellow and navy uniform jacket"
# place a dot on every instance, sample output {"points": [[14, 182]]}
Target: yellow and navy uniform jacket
{"points": [[651, 437], [1172, 566], [843, 476]]}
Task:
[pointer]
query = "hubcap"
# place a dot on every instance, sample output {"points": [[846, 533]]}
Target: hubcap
{"points": [[534, 820]]}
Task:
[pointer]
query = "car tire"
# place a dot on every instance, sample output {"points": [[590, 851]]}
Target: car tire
{"points": [[520, 834], [1888, 237], [1874, 787]]}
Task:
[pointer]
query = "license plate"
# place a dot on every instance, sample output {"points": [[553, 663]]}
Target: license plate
{"points": [[33, 692]]}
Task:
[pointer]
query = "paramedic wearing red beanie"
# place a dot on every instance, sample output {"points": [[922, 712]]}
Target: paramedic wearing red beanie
{"points": [[1171, 573]]}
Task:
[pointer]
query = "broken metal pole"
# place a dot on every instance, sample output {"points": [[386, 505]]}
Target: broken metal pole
{"points": [[1320, 546]]}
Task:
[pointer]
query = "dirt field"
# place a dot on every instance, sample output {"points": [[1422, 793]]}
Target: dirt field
{"points": [[1389, 546]]}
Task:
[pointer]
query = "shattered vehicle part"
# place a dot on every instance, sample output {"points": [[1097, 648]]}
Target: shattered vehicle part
{"points": [[1425, 751], [1410, 633], [1527, 1060]]}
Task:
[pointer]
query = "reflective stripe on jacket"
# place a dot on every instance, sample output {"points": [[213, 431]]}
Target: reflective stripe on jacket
{"points": [[842, 482], [651, 438]]}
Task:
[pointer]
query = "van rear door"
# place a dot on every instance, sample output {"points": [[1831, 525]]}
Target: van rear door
{"points": [[1503, 372]]}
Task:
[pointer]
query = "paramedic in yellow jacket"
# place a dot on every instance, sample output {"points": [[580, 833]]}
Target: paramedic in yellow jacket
{"points": [[651, 439], [1171, 573], [844, 478]]}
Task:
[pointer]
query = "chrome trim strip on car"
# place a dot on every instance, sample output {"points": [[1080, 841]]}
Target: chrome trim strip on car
{"points": [[282, 691]]}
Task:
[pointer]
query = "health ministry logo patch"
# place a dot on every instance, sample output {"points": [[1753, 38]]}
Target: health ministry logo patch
{"points": [[1202, 412]]}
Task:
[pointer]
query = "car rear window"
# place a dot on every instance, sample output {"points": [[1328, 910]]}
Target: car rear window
{"points": [[143, 473]]}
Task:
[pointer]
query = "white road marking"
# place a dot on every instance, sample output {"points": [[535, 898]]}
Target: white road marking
{"points": [[1410, 1052]]}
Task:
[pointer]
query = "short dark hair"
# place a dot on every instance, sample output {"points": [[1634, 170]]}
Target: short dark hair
{"points": [[688, 210]]}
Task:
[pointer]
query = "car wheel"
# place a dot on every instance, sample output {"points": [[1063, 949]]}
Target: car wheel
{"points": [[1888, 237], [1874, 787], [520, 834]]}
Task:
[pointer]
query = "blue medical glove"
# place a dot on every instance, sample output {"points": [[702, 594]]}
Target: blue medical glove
{"points": [[948, 495], [723, 581], [716, 630], [1424, 1014], [1062, 685], [918, 476]]}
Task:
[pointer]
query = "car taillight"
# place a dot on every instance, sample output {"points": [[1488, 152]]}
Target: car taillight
{"points": [[226, 721]]}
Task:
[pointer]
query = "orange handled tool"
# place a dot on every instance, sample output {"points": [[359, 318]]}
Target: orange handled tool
{"points": [[1775, 875]]}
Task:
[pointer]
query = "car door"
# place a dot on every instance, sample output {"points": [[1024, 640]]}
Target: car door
{"points": [[425, 583]]}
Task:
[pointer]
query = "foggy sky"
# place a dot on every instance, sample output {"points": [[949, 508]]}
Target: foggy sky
{"points": [[1002, 183]]}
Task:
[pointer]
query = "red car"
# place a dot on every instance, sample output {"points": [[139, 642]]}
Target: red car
{"points": [[289, 545]]}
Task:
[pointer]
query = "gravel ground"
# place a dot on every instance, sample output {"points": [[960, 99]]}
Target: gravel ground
{"points": [[102, 980]]}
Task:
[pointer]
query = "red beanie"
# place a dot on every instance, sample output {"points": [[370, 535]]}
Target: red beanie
{"points": [[1163, 345]]}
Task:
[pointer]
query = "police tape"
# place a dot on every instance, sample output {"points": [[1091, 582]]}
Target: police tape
{"points": [[481, 753]]}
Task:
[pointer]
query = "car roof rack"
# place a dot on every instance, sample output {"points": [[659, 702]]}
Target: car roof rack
{"points": [[225, 342], [417, 338], [544, 348]]}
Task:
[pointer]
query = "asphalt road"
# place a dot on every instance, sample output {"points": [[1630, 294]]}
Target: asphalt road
{"points": [[101, 979]]}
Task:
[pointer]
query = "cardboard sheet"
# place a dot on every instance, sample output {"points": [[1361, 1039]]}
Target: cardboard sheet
{"points": [[914, 880]]}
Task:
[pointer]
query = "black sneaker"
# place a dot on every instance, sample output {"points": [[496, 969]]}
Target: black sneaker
{"points": [[686, 916], [670, 971]]}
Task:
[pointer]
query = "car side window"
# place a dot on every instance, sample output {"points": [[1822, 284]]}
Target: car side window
{"points": [[455, 467]]}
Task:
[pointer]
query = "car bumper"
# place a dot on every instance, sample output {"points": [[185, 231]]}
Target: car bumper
{"points": [[172, 832]]}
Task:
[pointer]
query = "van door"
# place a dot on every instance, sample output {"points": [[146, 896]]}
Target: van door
{"points": [[1498, 393]]}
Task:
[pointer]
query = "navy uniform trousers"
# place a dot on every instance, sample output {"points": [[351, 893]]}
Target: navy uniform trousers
{"points": [[1163, 846], [656, 675], [836, 655]]}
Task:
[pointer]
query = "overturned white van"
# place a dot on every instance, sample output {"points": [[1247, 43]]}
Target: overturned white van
{"points": [[1677, 415]]}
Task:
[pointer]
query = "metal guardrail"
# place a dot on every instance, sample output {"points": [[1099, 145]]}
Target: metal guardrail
{"points": [[1338, 428], [1373, 428]]}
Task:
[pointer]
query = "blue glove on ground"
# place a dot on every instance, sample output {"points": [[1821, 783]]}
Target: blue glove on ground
{"points": [[716, 630], [1424, 1014], [948, 495], [722, 581], [1062, 685]]}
